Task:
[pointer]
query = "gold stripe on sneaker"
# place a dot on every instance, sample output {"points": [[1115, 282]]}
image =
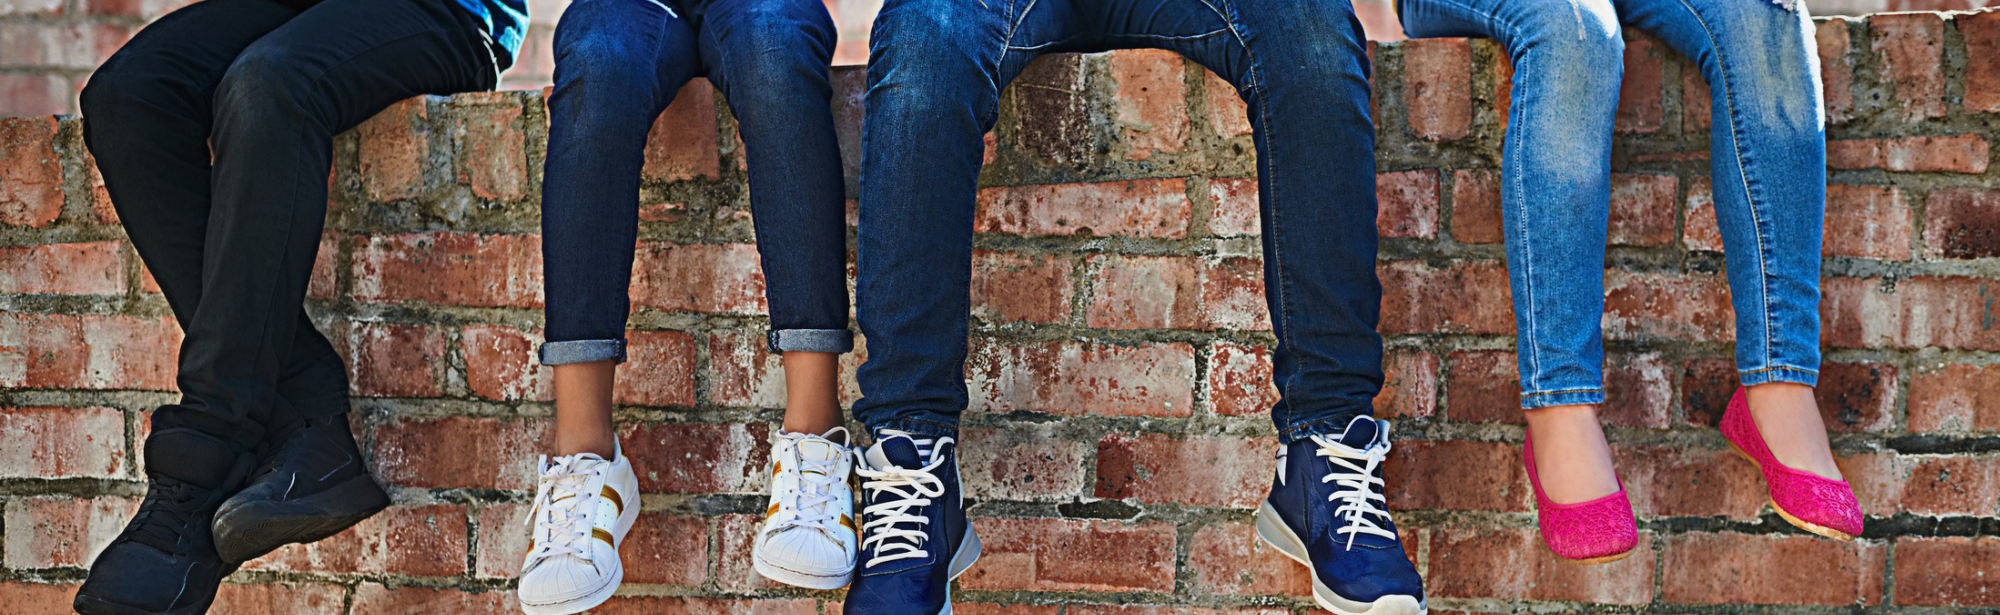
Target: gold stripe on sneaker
{"points": [[600, 534], [847, 522], [771, 511], [612, 494], [776, 468]]}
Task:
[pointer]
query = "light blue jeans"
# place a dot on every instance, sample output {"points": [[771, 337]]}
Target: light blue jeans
{"points": [[1767, 161]]}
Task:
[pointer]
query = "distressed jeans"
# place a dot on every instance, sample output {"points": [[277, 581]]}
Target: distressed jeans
{"points": [[937, 68], [1767, 162]]}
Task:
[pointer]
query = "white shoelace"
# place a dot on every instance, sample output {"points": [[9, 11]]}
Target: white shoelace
{"points": [[913, 489], [1357, 481], [810, 497], [559, 502]]}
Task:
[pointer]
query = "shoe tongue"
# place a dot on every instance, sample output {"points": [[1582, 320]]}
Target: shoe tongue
{"points": [[1361, 433], [818, 449], [189, 456], [899, 451]]}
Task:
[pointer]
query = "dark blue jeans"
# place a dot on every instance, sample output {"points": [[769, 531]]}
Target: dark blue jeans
{"points": [[618, 65], [934, 81]]}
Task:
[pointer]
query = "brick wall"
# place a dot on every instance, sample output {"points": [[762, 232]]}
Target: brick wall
{"points": [[1117, 439]]}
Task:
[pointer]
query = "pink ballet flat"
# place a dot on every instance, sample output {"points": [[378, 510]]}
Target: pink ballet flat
{"points": [[1815, 503], [1594, 532]]}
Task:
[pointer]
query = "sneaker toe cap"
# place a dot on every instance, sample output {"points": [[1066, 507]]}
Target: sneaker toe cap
{"points": [[564, 579]]}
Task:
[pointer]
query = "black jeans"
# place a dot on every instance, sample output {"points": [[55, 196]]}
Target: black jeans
{"points": [[232, 242]]}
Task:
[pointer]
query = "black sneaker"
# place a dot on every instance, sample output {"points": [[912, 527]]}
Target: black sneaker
{"points": [[312, 486], [164, 563]]}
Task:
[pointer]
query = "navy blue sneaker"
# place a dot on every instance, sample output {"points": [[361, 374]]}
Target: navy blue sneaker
{"points": [[914, 537], [1326, 511]]}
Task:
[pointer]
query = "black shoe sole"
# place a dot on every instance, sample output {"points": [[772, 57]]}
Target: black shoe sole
{"points": [[249, 530], [86, 604]]}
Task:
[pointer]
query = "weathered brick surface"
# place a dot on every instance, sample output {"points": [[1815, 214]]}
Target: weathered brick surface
{"points": [[1121, 355]]}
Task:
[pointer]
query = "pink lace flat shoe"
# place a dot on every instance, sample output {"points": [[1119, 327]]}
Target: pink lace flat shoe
{"points": [[1815, 503], [1594, 532]]}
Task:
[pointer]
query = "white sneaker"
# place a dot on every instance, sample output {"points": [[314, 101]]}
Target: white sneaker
{"points": [[808, 538], [583, 509]]}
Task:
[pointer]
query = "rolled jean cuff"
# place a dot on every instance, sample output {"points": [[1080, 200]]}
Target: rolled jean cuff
{"points": [[1796, 375], [1561, 397], [1330, 426], [917, 427], [810, 340], [582, 351]]}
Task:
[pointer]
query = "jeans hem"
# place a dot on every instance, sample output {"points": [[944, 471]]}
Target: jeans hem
{"points": [[1795, 375], [920, 427], [837, 341], [1330, 426], [582, 351], [1570, 397]]}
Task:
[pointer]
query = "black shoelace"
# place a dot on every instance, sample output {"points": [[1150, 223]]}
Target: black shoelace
{"points": [[169, 507]]}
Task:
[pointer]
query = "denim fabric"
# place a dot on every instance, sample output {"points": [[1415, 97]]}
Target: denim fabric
{"points": [[232, 238], [1767, 159], [618, 64], [934, 84]]}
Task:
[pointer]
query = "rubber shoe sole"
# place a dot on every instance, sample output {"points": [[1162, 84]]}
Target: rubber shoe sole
{"points": [[86, 604], [1274, 533], [247, 531], [968, 552], [797, 578]]}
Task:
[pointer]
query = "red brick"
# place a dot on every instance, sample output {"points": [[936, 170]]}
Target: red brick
{"points": [[1239, 379], [1640, 104], [142, 8], [1941, 485], [1857, 397], [1706, 386], [30, 173], [1512, 564], [1959, 397], [1409, 203], [1077, 378], [1681, 481], [663, 212], [1022, 463], [1484, 385], [49, 45], [1638, 389], [30, 597], [1691, 307], [1701, 232], [682, 143], [1411, 386], [1770, 569], [1962, 223], [1227, 114], [449, 268], [659, 370], [703, 277], [1072, 555], [1229, 558], [1008, 287], [1878, 480], [500, 363], [386, 360], [1835, 69], [1475, 206], [1915, 312], [419, 541], [1236, 209], [700, 458], [459, 452], [1054, 113], [1232, 295], [503, 540], [1982, 40], [1144, 292], [648, 605], [32, 95], [1156, 469], [100, 198], [736, 538], [280, 599], [373, 599], [1867, 222], [1948, 571], [666, 550], [394, 150], [1503, 90], [1157, 208], [1911, 47], [96, 268], [62, 531], [53, 442], [1695, 102], [1642, 209], [1144, 609], [33, 7], [1467, 298], [985, 608], [1150, 98], [58, 351], [492, 143], [1437, 88], [1960, 154], [1457, 475], [325, 280]]}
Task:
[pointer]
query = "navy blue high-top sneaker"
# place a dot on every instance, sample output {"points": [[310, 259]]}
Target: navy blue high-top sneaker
{"points": [[914, 537], [1326, 511]]}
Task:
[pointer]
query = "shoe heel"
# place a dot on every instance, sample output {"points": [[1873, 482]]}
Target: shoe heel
{"points": [[968, 552], [1273, 532]]}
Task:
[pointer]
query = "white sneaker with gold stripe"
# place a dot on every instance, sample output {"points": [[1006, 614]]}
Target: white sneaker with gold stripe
{"points": [[808, 538], [583, 508]]}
